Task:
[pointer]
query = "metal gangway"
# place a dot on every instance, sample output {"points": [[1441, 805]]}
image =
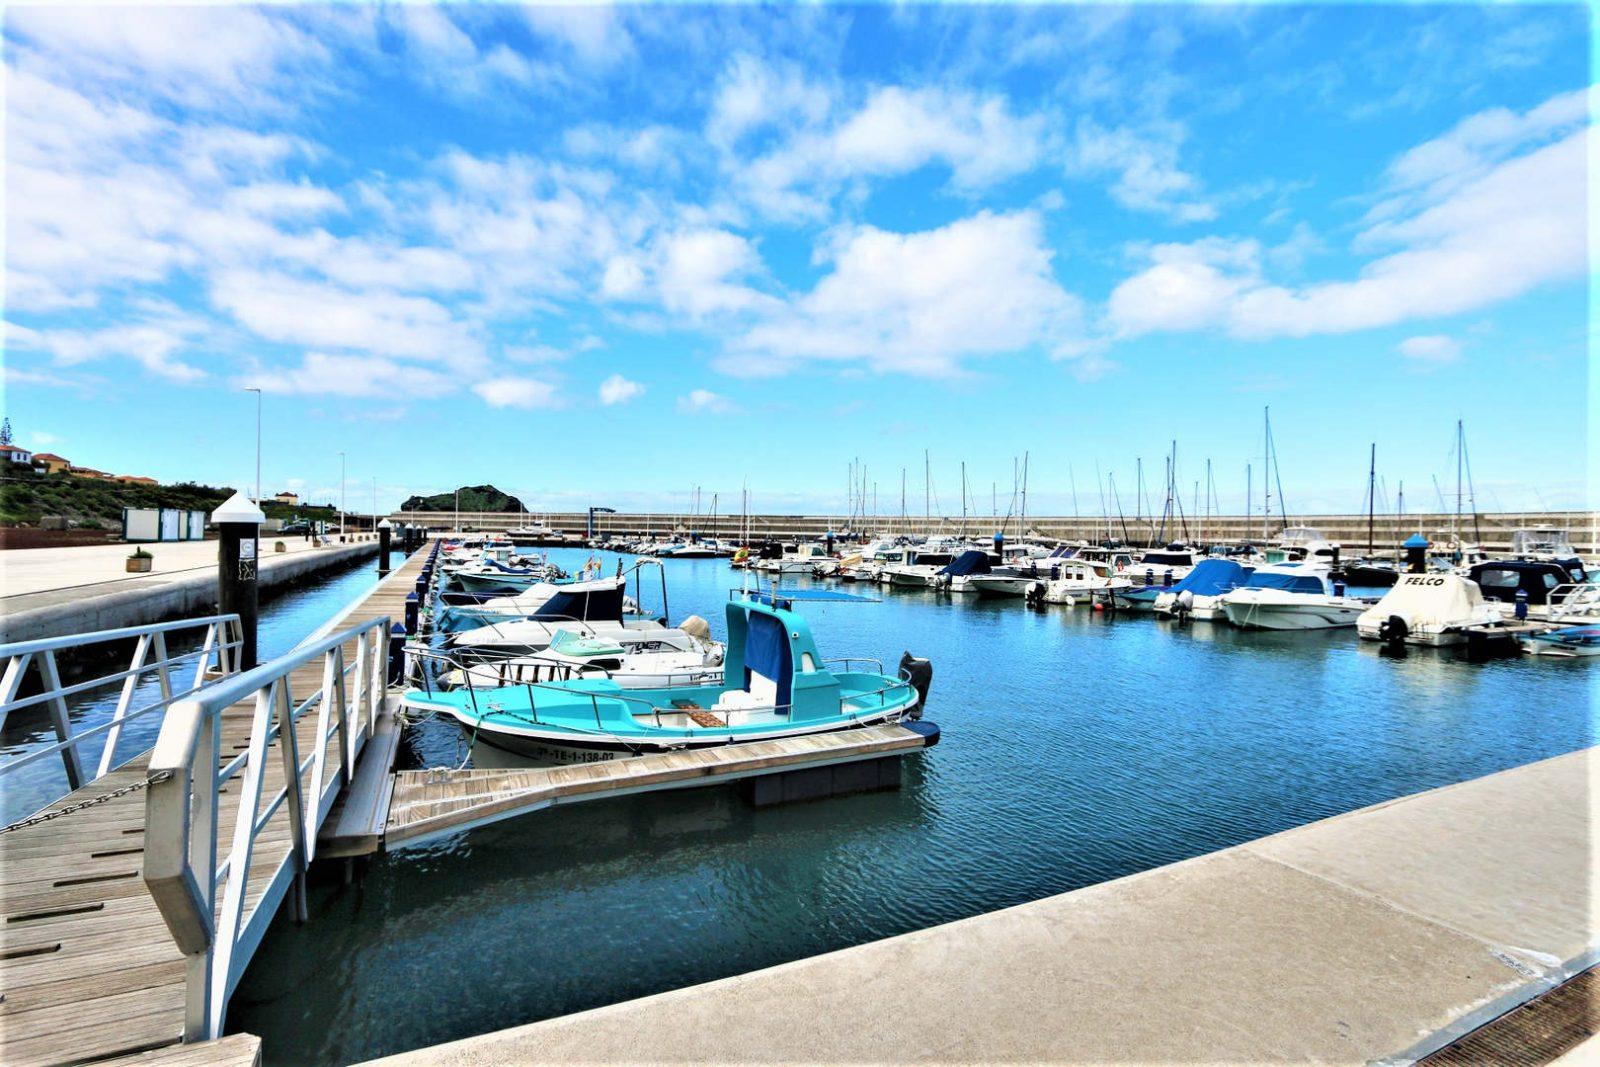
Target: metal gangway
{"points": [[133, 902]]}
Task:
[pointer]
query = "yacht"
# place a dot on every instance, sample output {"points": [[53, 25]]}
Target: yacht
{"points": [[1428, 609], [1298, 543], [1292, 596], [1199, 595], [917, 567], [1079, 581]]}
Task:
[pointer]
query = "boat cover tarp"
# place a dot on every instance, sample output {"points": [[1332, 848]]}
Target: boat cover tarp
{"points": [[1433, 600], [766, 652], [1213, 577], [970, 562], [588, 605]]}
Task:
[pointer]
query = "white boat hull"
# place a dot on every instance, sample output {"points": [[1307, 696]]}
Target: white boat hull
{"points": [[1313, 613]]}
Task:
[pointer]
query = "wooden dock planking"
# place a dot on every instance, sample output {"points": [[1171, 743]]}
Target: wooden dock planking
{"points": [[428, 803], [88, 969]]}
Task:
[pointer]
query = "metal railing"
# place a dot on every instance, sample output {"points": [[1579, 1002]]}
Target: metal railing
{"points": [[219, 651], [183, 826]]}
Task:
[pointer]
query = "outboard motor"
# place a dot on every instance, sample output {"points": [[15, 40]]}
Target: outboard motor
{"points": [[919, 673], [1184, 603], [1394, 630], [1033, 596]]}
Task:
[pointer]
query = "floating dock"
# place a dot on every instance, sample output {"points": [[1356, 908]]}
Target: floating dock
{"points": [[89, 969], [1384, 934], [427, 804]]}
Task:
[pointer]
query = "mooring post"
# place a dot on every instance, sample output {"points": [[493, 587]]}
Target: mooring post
{"points": [[240, 521], [397, 654], [413, 603], [383, 547]]}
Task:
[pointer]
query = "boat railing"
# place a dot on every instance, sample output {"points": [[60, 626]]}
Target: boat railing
{"points": [[848, 663], [217, 657], [185, 812]]}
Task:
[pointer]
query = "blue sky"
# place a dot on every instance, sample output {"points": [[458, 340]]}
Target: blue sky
{"points": [[605, 254]]}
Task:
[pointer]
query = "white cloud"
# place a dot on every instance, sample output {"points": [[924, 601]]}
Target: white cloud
{"points": [[511, 392], [1430, 349], [222, 57], [619, 390], [753, 95], [921, 302], [153, 339], [1187, 287], [704, 402], [594, 32], [696, 270], [1513, 226], [331, 374], [295, 311], [1146, 164]]}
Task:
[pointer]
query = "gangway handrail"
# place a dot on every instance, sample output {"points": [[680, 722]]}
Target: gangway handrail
{"points": [[219, 651], [186, 777]]}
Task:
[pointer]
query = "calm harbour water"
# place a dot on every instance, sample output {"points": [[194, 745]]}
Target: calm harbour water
{"points": [[1077, 748]]}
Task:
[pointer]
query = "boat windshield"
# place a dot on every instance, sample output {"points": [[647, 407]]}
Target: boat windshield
{"points": [[1291, 583], [1166, 559]]}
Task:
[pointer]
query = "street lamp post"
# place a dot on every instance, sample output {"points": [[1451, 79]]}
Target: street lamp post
{"points": [[257, 391], [343, 513]]}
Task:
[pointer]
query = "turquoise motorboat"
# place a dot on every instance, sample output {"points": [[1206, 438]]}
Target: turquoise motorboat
{"points": [[776, 684]]}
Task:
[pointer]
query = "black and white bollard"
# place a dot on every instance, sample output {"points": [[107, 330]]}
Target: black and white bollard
{"points": [[238, 560], [383, 547]]}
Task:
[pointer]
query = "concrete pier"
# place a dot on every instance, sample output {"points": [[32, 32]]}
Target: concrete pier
{"points": [[1384, 933], [1388, 531], [49, 591]]}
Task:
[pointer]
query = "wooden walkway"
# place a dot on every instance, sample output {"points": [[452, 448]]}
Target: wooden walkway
{"points": [[429, 803], [88, 969]]}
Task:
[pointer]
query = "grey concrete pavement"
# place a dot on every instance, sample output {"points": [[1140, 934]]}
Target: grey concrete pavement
{"points": [[1384, 932]]}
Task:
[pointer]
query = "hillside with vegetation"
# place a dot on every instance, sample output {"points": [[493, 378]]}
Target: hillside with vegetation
{"points": [[92, 503], [473, 498]]}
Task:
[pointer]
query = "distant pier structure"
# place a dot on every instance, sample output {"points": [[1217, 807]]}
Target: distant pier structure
{"points": [[1492, 530]]}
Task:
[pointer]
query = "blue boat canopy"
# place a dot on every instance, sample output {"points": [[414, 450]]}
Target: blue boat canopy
{"points": [[1213, 577], [972, 561], [779, 597], [1416, 540]]}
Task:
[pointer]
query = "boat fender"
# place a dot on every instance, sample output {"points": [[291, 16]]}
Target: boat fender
{"points": [[919, 673], [1393, 630]]}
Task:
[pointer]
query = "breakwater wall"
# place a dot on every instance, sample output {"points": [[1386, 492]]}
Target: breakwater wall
{"points": [[1492, 529]]}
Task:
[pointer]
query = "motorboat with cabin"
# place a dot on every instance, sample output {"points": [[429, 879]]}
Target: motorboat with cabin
{"points": [[1428, 609], [776, 685], [637, 656], [1080, 581], [1297, 543], [1292, 596], [806, 558], [1199, 594], [918, 566]]}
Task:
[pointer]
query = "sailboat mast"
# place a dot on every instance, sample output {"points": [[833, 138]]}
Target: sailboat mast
{"points": [[1266, 469], [963, 499], [1456, 530], [1022, 527], [1372, 496], [1249, 500]]}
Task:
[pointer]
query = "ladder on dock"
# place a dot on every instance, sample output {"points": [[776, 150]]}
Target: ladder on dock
{"points": [[132, 905]]}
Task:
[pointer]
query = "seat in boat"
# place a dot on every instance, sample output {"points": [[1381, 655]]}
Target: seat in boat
{"points": [[768, 669]]}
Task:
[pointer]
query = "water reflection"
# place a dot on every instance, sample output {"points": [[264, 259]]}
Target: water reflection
{"points": [[1078, 746]]}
